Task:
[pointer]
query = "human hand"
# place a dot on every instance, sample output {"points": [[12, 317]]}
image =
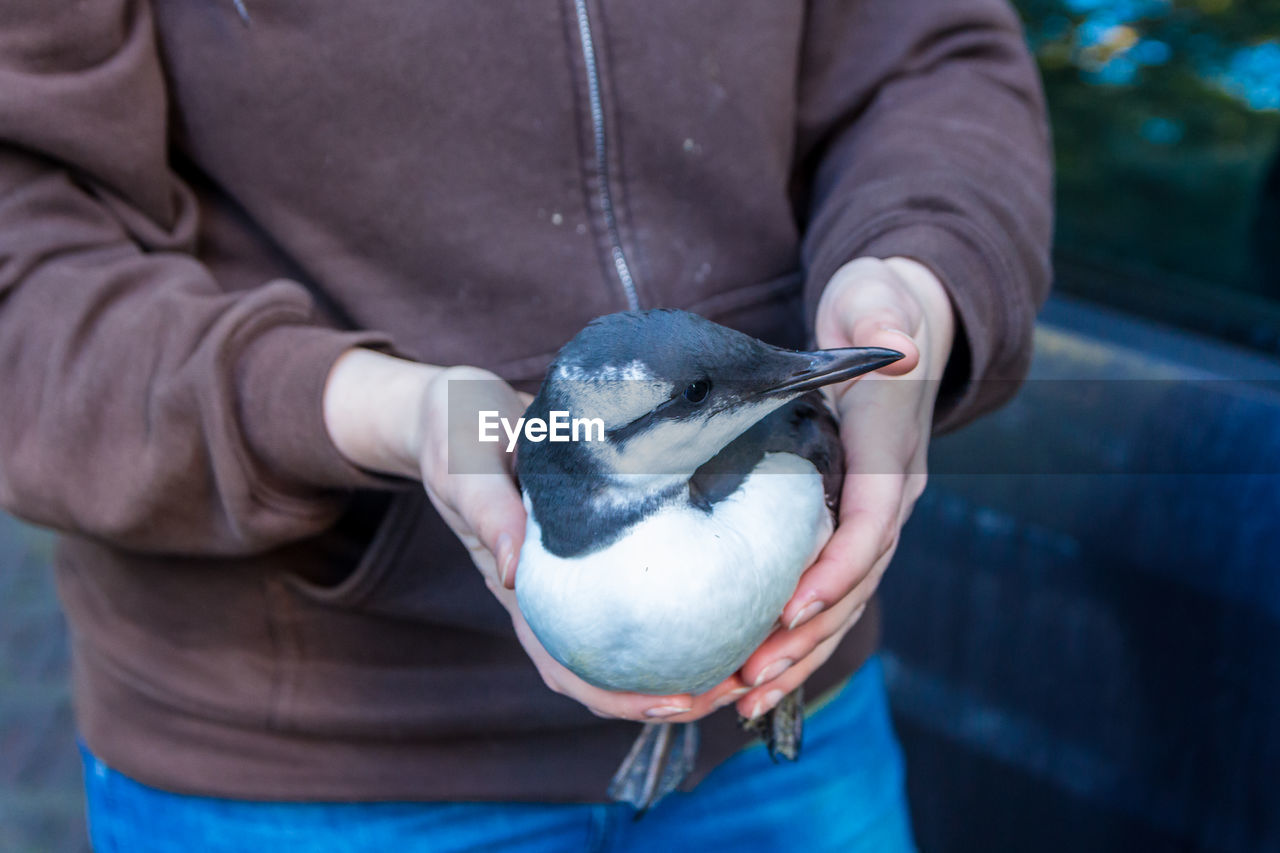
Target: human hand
{"points": [[391, 415], [885, 423]]}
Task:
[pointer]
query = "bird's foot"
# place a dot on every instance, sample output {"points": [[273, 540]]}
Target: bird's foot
{"points": [[658, 762], [781, 729]]}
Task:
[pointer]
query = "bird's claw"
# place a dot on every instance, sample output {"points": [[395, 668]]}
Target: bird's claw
{"points": [[781, 729]]}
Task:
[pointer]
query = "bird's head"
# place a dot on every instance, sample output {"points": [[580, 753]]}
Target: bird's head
{"points": [[672, 389]]}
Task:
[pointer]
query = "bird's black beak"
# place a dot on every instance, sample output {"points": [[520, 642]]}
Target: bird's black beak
{"points": [[810, 370]]}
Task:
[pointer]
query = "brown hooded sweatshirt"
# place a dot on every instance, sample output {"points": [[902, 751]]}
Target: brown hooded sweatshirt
{"points": [[198, 214]]}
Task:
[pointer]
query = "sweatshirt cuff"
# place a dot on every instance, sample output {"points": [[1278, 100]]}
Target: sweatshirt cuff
{"points": [[280, 382], [990, 353]]}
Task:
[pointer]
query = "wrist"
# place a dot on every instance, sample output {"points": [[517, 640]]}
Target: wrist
{"points": [[372, 410]]}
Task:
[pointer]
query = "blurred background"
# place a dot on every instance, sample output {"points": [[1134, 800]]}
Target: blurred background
{"points": [[1083, 621]]}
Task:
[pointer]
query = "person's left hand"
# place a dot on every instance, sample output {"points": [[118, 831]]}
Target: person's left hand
{"points": [[885, 423]]}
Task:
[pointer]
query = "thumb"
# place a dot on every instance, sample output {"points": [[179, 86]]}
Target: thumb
{"points": [[865, 305], [885, 326], [490, 506], [474, 476]]}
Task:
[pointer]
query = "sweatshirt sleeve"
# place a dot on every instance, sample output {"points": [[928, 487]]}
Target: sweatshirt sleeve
{"points": [[922, 134], [142, 404]]}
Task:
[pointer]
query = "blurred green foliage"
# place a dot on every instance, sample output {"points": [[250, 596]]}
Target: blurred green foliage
{"points": [[1166, 119]]}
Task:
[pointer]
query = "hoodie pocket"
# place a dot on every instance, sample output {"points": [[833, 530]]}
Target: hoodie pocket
{"points": [[413, 568], [391, 529]]}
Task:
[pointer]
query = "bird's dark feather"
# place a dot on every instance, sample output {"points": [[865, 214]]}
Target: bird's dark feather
{"points": [[573, 524], [564, 488], [805, 427]]}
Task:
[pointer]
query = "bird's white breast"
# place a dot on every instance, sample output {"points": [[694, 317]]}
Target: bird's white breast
{"points": [[684, 597]]}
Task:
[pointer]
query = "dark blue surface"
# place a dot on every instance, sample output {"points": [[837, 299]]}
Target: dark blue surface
{"points": [[1092, 660]]}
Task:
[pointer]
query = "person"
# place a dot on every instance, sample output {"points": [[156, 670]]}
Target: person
{"points": [[244, 247]]}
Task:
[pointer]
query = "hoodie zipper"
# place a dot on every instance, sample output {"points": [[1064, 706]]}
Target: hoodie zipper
{"points": [[620, 264]]}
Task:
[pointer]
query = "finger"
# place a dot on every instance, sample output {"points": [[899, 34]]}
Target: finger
{"points": [[730, 691], [483, 494], [474, 479], [640, 707], [867, 531], [783, 648], [491, 507], [486, 514], [867, 290], [884, 329], [644, 707], [764, 698], [725, 693]]}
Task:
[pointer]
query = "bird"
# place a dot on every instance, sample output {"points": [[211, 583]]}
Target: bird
{"points": [[659, 555]]}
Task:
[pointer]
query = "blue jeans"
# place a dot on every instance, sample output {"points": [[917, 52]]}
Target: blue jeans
{"points": [[845, 793]]}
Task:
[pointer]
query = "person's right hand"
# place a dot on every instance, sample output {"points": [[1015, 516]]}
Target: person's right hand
{"points": [[391, 415]]}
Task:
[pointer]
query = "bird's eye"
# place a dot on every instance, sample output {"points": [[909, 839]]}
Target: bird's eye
{"points": [[697, 392]]}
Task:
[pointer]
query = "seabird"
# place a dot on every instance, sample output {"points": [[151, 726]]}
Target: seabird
{"points": [[657, 560]]}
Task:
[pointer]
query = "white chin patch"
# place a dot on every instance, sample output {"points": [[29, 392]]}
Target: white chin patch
{"points": [[681, 446]]}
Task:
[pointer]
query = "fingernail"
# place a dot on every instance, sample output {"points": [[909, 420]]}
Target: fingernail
{"points": [[810, 610], [504, 556], [731, 697], [768, 703], [885, 327], [773, 670], [667, 710]]}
